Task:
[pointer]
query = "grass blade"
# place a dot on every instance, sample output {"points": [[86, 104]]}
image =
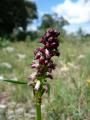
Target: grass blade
{"points": [[15, 82]]}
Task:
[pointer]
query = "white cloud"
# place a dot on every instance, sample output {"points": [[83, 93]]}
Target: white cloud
{"points": [[32, 27], [74, 27], [74, 12]]}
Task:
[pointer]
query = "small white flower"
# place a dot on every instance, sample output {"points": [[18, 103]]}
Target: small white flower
{"points": [[37, 86], [10, 113], [2, 106], [7, 65], [19, 111], [9, 49], [21, 56], [1, 77], [81, 56], [64, 68]]}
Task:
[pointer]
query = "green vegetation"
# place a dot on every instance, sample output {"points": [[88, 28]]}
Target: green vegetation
{"points": [[70, 93]]}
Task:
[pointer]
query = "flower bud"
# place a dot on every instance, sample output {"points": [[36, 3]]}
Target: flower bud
{"points": [[46, 87], [38, 54], [42, 60], [47, 45]]}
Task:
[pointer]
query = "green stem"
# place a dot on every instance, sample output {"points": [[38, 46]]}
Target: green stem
{"points": [[38, 111], [38, 105]]}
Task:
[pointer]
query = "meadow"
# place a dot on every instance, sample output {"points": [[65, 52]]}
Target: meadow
{"points": [[70, 93]]}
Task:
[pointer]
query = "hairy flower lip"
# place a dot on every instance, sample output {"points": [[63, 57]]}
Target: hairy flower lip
{"points": [[35, 64], [32, 76], [47, 53], [37, 85]]}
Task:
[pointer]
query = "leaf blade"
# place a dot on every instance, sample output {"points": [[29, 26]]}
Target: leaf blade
{"points": [[15, 82]]}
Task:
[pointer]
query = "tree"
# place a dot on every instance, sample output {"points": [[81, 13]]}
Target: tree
{"points": [[53, 21], [47, 21], [16, 13], [31, 9], [80, 32], [62, 22]]}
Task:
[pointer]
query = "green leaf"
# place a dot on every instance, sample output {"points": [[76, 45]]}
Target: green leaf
{"points": [[16, 82]]}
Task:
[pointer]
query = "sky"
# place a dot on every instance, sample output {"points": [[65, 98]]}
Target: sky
{"points": [[77, 12]]}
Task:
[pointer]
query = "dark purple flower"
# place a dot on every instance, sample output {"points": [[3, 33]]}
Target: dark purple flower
{"points": [[43, 62]]}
